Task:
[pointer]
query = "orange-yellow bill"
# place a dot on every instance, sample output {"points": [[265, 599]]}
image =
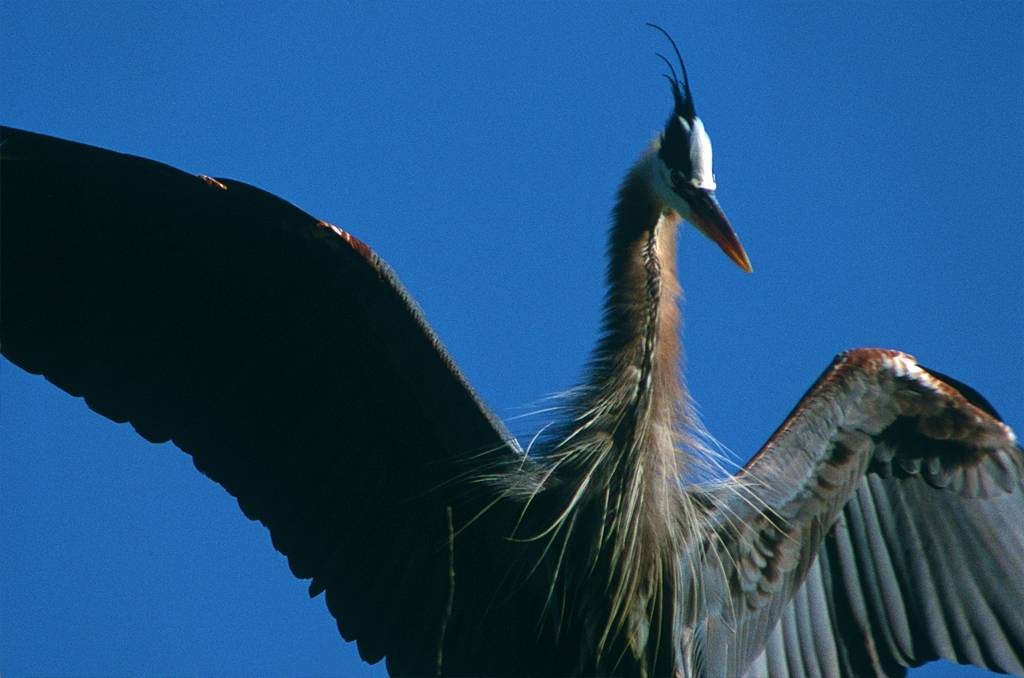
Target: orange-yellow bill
{"points": [[707, 216]]}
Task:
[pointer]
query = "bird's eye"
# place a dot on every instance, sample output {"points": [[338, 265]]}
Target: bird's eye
{"points": [[681, 183]]}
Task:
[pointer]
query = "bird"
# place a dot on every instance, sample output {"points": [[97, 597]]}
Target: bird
{"points": [[877, 529]]}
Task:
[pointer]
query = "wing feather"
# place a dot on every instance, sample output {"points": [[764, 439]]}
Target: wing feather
{"points": [[287, 359], [881, 527]]}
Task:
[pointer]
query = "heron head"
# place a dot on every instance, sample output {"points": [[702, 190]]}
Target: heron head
{"points": [[682, 168]]}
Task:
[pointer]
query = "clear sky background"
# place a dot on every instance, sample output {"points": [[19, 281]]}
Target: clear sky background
{"points": [[870, 157]]}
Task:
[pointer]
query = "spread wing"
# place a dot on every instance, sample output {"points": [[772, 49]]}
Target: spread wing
{"points": [[881, 527], [286, 358]]}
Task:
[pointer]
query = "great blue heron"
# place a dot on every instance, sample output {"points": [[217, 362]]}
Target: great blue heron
{"points": [[451, 548]]}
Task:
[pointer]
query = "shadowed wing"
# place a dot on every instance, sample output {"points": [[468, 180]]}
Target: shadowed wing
{"points": [[286, 358], [881, 527]]}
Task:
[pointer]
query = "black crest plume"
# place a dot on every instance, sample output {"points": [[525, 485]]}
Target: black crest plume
{"points": [[683, 97]]}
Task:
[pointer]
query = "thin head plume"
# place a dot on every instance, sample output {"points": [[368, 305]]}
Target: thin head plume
{"points": [[684, 99], [672, 79]]}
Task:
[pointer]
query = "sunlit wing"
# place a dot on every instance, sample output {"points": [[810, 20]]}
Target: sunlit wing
{"points": [[286, 358], [881, 527]]}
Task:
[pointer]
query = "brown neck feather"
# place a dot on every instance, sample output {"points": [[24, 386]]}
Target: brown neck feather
{"points": [[635, 373], [620, 461]]}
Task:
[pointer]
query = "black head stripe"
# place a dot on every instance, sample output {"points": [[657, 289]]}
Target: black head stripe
{"points": [[675, 147]]}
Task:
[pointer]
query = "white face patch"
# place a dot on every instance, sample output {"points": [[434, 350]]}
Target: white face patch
{"points": [[661, 179], [700, 157]]}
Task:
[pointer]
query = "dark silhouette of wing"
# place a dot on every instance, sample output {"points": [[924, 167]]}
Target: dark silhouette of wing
{"points": [[286, 358], [881, 527]]}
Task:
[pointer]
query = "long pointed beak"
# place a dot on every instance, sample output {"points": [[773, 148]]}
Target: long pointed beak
{"points": [[707, 215]]}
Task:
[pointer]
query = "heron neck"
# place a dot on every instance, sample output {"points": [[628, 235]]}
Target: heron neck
{"points": [[620, 456], [636, 368]]}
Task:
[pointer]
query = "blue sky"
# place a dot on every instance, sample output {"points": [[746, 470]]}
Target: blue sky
{"points": [[870, 157]]}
